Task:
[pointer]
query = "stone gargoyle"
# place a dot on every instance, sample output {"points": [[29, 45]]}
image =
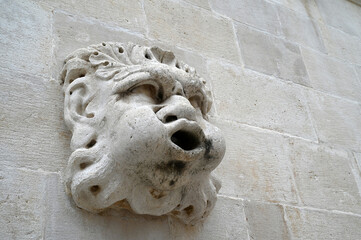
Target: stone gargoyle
{"points": [[140, 135]]}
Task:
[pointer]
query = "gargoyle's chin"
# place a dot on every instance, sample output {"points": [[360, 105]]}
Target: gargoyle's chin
{"points": [[148, 200]]}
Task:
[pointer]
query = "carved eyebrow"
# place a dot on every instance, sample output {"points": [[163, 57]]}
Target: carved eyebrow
{"points": [[144, 77], [133, 80], [191, 88], [195, 89]]}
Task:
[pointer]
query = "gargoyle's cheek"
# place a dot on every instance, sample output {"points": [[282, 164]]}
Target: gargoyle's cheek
{"points": [[138, 138]]}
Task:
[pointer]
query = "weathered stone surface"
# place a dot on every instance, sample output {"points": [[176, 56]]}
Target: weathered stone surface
{"points": [[140, 138], [200, 3], [358, 161], [341, 45], [358, 72], [256, 165], [257, 100], [300, 29], [325, 74], [308, 224], [325, 171], [318, 181], [337, 121], [305, 7], [21, 204], [125, 13], [32, 130], [227, 221], [256, 13], [73, 32], [265, 221], [356, 170], [192, 28], [270, 55], [25, 31], [66, 221], [340, 14]]}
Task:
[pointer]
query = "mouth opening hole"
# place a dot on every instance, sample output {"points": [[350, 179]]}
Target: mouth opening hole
{"points": [[185, 140]]}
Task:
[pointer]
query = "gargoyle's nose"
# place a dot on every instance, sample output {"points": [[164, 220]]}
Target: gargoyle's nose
{"points": [[174, 108]]}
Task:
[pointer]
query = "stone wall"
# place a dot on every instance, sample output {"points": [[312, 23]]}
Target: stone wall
{"points": [[286, 77]]}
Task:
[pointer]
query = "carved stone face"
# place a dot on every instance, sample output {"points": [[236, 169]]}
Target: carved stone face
{"points": [[140, 137]]}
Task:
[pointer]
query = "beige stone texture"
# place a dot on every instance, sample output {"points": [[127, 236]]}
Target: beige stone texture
{"points": [[25, 37], [73, 32], [285, 76], [32, 130], [307, 8], [283, 58], [260, 100], [358, 160], [126, 13], [314, 224], [358, 72], [199, 3], [191, 28], [266, 221], [21, 209], [341, 45], [337, 121], [325, 74], [300, 29], [344, 15], [327, 172], [256, 165], [227, 221], [256, 13]]}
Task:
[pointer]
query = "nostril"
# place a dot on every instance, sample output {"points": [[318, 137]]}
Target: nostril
{"points": [[185, 140], [170, 118]]}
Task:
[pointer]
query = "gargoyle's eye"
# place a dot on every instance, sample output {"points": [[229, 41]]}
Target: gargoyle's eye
{"points": [[146, 90]]}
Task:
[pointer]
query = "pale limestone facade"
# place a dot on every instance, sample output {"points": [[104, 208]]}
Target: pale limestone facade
{"points": [[286, 83]]}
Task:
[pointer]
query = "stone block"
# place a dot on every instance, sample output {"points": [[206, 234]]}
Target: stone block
{"points": [[337, 121], [272, 56], [325, 74], [21, 204], [341, 45], [191, 28], [32, 130], [73, 32], [256, 164], [265, 221], [300, 29], [25, 30], [126, 13], [256, 13], [66, 221], [257, 100], [215, 226], [327, 172], [309, 224], [343, 15]]}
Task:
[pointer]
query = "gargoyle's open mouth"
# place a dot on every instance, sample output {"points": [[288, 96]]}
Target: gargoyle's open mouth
{"points": [[185, 140]]}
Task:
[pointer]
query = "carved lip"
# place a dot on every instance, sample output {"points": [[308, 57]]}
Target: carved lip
{"points": [[186, 139]]}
